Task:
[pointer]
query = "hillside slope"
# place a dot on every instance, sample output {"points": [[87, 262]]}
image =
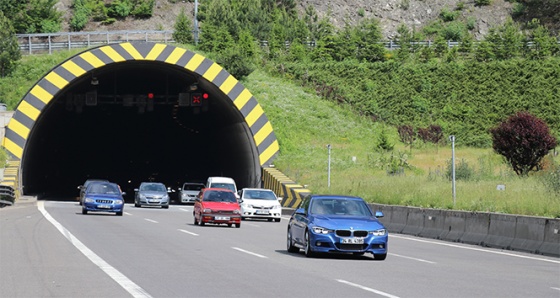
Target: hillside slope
{"points": [[390, 13]]}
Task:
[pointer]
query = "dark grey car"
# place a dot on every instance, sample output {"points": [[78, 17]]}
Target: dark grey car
{"points": [[151, 194]]}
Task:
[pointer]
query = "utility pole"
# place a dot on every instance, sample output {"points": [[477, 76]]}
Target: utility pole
{"points": [[195, 22], [329, 167], [452, 139]]}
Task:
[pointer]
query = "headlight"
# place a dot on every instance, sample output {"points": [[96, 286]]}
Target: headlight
{"points": [[142, 196], [380, 232], [89, 200], [320, 230], [118, 202], [207, 210], [236, 211], [166, 197], [276, 207], [247, 206]]}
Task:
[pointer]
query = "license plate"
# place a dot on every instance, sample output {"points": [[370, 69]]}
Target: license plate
{"points": [[262, 212], [104, 206], [153, 201], [221, 218], [352, 241]]}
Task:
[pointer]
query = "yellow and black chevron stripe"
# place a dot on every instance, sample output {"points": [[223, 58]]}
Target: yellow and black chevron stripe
{"points": [[41, 94], [284, 187]]}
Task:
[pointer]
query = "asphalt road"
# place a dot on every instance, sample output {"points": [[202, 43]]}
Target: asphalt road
{"points": [[49, 249]]}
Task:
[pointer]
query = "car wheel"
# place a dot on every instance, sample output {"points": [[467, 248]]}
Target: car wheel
{"points": [[277, 219], [195, 221], [229, 225], [136, 205], [200, 222], [290, 244], [270, 219], [308, 250], [119, 213], [84, 211], [165, 207], [380, 257], [238, 225]]}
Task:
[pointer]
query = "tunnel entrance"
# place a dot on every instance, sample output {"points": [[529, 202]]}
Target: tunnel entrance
{"points": [[143, 119]]}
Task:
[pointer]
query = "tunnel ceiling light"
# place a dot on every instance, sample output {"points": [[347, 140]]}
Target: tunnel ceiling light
{"points": [[94, 81], [194, 87]]}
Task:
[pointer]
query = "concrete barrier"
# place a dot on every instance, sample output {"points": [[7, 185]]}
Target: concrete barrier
{"points": [[501, 231], [433, 223], [414, 221], [453, 226], [476, 228], [551, 240], [529, 234], [398, 219]]}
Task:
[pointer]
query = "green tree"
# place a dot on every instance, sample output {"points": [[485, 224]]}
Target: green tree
{"points": [[33, 16], [9, 48], [368, 41], [183, 29], [544, 44], [507, 41]]}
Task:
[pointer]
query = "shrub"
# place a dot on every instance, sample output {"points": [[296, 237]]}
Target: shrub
{"points": [[9, 49], [482, 2], [120, 9], [523, 140], [462, 171], [144, 9], [407, 134], [183, 29]]}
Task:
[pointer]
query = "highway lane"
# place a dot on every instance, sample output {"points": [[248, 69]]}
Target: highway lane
{"points": [[160, 253]]}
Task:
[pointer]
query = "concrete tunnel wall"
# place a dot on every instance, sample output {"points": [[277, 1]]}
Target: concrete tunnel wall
{"points": [[232, 138]]}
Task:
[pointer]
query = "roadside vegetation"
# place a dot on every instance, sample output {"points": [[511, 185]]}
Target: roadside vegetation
{"points": [[387, 115]]}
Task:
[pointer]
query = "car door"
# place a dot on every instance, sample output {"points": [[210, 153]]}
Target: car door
{"points": [[300, 221]]}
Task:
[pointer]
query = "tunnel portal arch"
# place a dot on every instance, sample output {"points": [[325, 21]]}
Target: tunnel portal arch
{"points": [[126, 112]]}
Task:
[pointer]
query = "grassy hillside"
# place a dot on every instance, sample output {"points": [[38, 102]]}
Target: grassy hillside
{"points": [[305, 123]]}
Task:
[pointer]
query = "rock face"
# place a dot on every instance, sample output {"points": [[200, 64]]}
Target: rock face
{"points": [[391, 13]]}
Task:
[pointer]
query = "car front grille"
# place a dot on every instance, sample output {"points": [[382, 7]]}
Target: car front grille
{"points": [[350, 233], [351, 246], [104, 201], [262, 208], [223, 211]]}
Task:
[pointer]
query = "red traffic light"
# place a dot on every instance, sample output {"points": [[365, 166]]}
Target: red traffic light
{"points": [[150, 95], [205, 95]]}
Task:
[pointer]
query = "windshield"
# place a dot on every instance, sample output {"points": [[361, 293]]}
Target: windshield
{"points": [[224, 185], [99, 188], [340, 207], [153, 187], [219, 196], [259, 195], [192, 186]]}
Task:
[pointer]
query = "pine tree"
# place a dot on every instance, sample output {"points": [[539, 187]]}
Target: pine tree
{"points": [[183, 29], [9, 48]]}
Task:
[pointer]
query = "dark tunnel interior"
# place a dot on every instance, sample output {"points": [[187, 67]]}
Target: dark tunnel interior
{"points": [[135, 122]]}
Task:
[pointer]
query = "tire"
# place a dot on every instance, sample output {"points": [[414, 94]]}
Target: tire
{"points": [[195, 221], [290, 244], [277, 219], [308, 250], [238, 225], [380, 257], [119, 213], [165, 207], [84, 211], [137, 205], [229, 225], [200, 222]]}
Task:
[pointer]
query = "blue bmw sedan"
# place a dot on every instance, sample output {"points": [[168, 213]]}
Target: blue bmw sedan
{"points": [[336, 224], [103, 197]]}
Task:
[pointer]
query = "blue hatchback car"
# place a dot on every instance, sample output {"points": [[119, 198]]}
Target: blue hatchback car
{"points": [[103, 197], [336, 224]]}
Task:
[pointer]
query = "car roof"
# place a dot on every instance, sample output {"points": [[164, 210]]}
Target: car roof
{"points": [[259, 189], [193, 183], [339, 197], [215, 189]]}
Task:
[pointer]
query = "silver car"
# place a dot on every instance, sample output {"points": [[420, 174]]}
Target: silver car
{"points": [[189, 191], [151, 194]]}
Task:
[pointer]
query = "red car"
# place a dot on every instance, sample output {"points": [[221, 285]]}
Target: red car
{"points": [[217, 206]]}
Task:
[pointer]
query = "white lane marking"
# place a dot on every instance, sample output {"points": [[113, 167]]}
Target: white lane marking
{"points": [[477, 249], [185, 231], [249, 252], [555, 288], [250, 224], [411, 258], [128, 213], [151, 220], [367, 289], [286, 218], [132, 288], [186, 210]]}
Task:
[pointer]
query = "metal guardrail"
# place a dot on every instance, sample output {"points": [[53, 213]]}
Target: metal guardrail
{"points": [[48, 42], [7, 195]]}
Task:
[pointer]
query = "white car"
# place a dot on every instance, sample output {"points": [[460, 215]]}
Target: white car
{"points": [[260, 203], [189, 191]]}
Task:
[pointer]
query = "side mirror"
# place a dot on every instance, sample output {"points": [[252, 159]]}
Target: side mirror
{"points": [[378, 214], [123, 193], [136, 189], [300, 211]]}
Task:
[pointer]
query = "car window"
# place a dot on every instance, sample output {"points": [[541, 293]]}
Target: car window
{"points": [[152, 187], [340, 207], [192, 187], [219, 196], [259, 195], [223, 185], [99, 188]]}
